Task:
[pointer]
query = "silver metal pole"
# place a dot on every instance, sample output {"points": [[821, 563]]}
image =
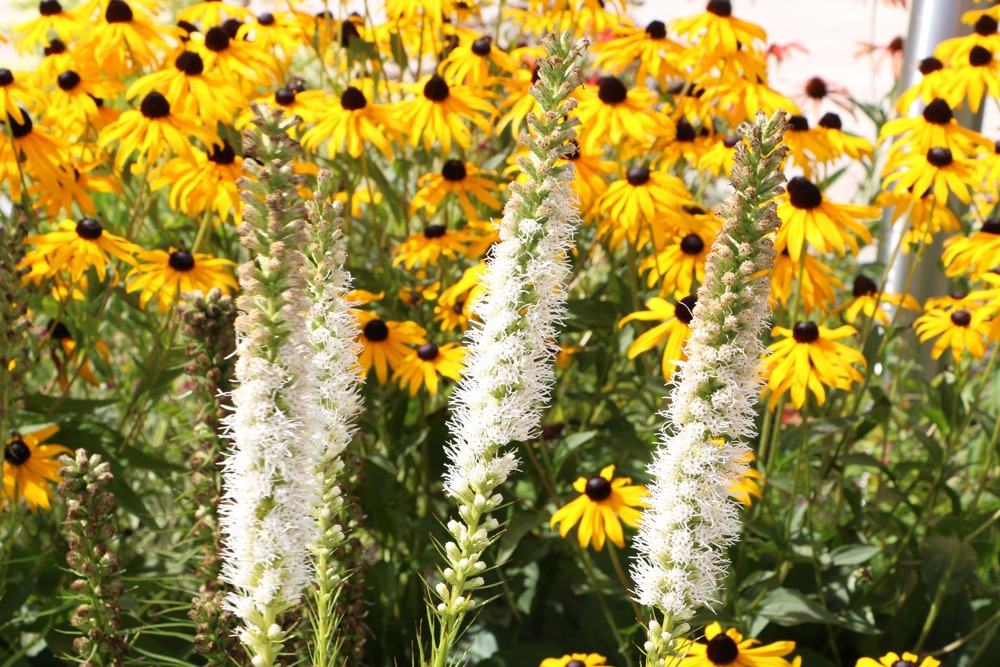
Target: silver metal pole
{"points": [[931, 22]]}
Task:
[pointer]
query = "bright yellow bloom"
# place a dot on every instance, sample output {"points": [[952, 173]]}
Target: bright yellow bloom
{"points": [[170, 274], [843, 143], [73, 104], [208, 182], [938, 172], [891, 659], [234, 60], [649, 46], [749, 486], [426, 247], [211, 13], [807, 146], [604, 501], [77, 246], [423, 365], [807, 217], [923, 215], [458, 179], [816, 284], [33, 152], [14, 95], [868, 301], [809, 358], [961, 330], [351, 121], [681, 262], [976, 254], [717, 31], [439, 111], [931, 85], [124, 40], [66, 25], [730, 649], [675, 328], [191, 90], [476, 61], [28, 467], [630, 206], [974, 80], [386, 344], [935, 127], [613, 114], [576, 660]]}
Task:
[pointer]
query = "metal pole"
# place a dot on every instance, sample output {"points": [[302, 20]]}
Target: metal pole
{"points": [[931, 22]]}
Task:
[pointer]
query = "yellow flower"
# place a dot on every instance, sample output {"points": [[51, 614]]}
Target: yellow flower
{"points": [[843, 143], [350, 122], [170, 274], [961, 330], [476, 61], [891, 659], [208, 182], [28, 467], [926, 217], [125, 40], [234, 60], [807, 146], [423, 365], [576, 660], [750, 485], [630, 206], [681, 262], [41, 155], [426, 247], [815, 285], [938, 172], [931, 85], [62, 340], [14, 95], [73, 104], [810, 358], [77, 246], [935, 127], [975, 254], [269, 30], [729, 649], [386, 344], [52, 18], [191, 90], [211, 13], [973, 81], [649, 47], [153, 131], [676, 328], [717, 31], [807, 217], [603, 501], [613, 114], [956, 51], [867, 300], [439, 111], [458, 179]]}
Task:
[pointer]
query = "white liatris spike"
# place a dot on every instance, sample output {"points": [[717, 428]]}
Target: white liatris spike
{"points": [[333, 331], [271, 475], [702, 455], [508, 369]]}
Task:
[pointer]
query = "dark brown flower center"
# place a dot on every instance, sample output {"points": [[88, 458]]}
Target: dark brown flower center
{"points": [[720, 8], [89, 228], [20, 130], [991, 226], [803, 193], [232, 27], [435, 231], [353, 99], [223, 154], [348, 32], [458, 307], [721, 650], [454, 171], [376, 331], [928, 65], [805, 332], [692, 245], [816, 88], [181, 260], [16, 452], [961, 318], [481, 47], [685, 131], [980, 57], [684, 309], [436, 89], [938, 112], [155, 106], [895, 44], [656, 30], [611, 90], [799, 123], [831, 121], [190, 63], [637, 176], [693, 209], [6, 77], [986, 25], [59, 331], [68, 80], [940, 157], [118, 11], [427, 352], [216, 39], [49, 7], [267, 18], [188, 28], [864, 286], [284, 96], [598, 488], [55, 47]]}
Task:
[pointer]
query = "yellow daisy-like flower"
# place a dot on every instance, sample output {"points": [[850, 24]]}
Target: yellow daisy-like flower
{"points": [[14, 95], [351, 122], [931, 85], [675, 328], [234, 60], [439, 111], [153, 131], [191, 90], [517, 101], [293, 100], [77, 246], [972, 82], [730, 649], [718, 157], [458, 179], [125, 40], [476, 62], [207, 182], [52, 18], [689, 143], [926, 217], [29, 468], [938, 172], [613, 114], [717, 30], [741, 98], [809, 358], [41, 155], [843, 143], [868, 301], [576, 660], [56, 58], [975, 254], [807, 146], [66, 354], [891, 659], [73, 105], [935, 127], [77, 192], [604, 501], [426, 247], [211, 13], [423, 365], [386, 344], [750, 485], [681, 263], [267, 30], [589, 171], [816, 285], [167, 275], [808, 218], [649, 47], [960, 330], [956, 51], [629, 207], [466, 291]]}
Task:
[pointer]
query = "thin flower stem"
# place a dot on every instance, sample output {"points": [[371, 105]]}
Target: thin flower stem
{"points": [[588, 568], [616, 563]]}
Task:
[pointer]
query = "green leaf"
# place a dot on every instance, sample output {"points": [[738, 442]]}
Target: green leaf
{"points": [[516, 529], [851, 555], [788, 607]]}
